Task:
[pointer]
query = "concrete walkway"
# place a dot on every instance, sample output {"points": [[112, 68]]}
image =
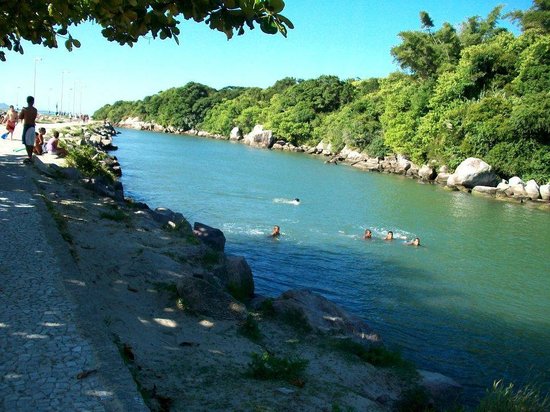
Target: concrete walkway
{"points": [[49, 359]]}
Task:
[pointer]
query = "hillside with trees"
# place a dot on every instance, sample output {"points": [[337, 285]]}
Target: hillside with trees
{"points": [[477, 90]]}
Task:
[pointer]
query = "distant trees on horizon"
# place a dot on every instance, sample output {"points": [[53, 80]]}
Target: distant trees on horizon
{"points": [[476, 90]]}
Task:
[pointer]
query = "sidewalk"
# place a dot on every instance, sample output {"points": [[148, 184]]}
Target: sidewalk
{"points": [[49, 360]]}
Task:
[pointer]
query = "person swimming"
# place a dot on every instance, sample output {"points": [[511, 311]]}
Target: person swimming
{"points": [[367, 234], [389, 236], [414, 242], [276, 231]]}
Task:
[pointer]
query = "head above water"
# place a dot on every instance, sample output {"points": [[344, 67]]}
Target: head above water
{"points": [[389, 236], [416, 241], [368, 234]]}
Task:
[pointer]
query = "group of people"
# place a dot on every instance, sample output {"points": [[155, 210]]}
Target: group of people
{"points": [[35, 142], [276, 232], [389, 237]]}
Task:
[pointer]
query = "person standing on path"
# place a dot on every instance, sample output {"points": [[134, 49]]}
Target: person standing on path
{"points": [[28, 115], [11, 121]]}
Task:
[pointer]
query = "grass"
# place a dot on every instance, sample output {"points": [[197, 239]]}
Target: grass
{"points": [[115, 215], [249, 329], [87, 160], [375, 355], [415, 399], [502, 398], [297, 320], [266, 366]]}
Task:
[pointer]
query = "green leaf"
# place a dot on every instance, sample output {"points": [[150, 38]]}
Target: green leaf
{"points": [[268, 25], [276, 6]]}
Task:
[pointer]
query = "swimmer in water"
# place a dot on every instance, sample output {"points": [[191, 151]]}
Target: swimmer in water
{"points": [[415, 242], [276, 231], [389, 236], [296, 201], [367, 234]]}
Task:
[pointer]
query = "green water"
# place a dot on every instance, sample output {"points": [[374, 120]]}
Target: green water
{"points": [[473, 302]]}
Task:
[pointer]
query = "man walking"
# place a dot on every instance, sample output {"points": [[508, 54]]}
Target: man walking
{"points": [[28, 115]]}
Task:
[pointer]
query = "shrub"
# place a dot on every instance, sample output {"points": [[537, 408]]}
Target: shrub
{"points": [[249, 328], [87, 161], [267, 367], [505, 398]]}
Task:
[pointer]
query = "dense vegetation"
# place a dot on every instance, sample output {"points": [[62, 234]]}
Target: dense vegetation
{"points": [[474, 90]]}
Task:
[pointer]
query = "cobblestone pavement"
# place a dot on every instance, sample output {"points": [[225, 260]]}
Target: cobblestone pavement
{"points": [[46, 362]]}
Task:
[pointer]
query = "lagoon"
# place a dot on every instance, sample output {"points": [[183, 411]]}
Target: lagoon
{"points": [[472, 303]]}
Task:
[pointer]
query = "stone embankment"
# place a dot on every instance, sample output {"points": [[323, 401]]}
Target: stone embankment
{"points": [[472, 175]]}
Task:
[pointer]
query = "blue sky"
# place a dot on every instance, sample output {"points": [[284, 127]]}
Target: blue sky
{"points": [[350, 39]]}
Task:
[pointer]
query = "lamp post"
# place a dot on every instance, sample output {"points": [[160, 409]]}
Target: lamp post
{"points": [[36, 60], [17, 98], [74, 98], [61, 103]]}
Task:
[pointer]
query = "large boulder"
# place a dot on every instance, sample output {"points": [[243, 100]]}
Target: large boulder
{"points": [[209, 235], [320, 315], [532, 189], [236, 276], [473, 172], [442, 177], [485, 190], [259, 137], [443, 390], [235, 134], [427, 173], [504, 190], [545, 192], [324, 149], [205, 298], [519, 191], [351, 155], [403, 164], [515, 181]]}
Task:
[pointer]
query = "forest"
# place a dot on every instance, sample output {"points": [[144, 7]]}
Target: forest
{"points": [[477, 90]]}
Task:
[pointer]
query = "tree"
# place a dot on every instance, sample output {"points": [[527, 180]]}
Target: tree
{"points": [[126, 21], [536, 18]]}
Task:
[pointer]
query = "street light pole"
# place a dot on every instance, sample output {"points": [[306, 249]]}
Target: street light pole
{"points": [[36, 60], [61, 103], [74, 98]]}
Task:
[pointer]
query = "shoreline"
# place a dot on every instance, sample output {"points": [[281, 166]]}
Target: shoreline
{"points": [[515, 190], [152, 264]]}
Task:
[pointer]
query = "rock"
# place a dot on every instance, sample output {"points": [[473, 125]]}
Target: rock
{"points": [[443, 169], [259, 137], [532, 189], [403, 164], [485, 190], [473, 172], [351, 155], [518, 191], [236, 276], [504, 190], [321, 315], [515, 181], [277, 146], [204, 298], [545, 192], [71, 173], [442, 178], [165, 216], [211, 236], [444, 391], [412, 171], [324, 149], [427, 173], [235, 134]]}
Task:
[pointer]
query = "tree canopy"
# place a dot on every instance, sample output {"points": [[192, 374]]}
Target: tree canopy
{"points": [[126, 21]]}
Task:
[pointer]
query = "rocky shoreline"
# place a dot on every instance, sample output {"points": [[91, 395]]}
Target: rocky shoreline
{"points": [[157, 279], [472, 175]]}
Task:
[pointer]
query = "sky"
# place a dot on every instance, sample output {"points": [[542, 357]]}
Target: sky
{"points": [[346, 38]]}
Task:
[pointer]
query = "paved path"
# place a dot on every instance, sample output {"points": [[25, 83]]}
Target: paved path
{"points": [[43, 346]]}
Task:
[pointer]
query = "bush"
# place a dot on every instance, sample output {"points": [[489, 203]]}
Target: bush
{"points": [[88, 162], [267, 367], [502, 398]]}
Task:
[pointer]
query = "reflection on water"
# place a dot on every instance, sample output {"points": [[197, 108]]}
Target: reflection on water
{"points": [[472, 302]]}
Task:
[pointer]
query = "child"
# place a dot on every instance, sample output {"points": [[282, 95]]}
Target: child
{"points": [[38, 148]]}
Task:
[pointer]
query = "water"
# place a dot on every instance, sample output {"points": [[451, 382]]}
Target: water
{"points": [[473, 302]]}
